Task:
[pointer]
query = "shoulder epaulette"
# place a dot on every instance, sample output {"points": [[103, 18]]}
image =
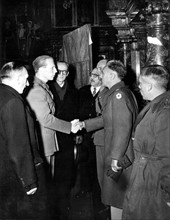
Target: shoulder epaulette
{"points": [[164, 103]]}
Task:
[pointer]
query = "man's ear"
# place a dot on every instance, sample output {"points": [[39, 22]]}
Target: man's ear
{"points": [[113, 74], [149, 87]]}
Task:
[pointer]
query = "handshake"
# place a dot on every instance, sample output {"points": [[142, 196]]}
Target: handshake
{"points": [[77, 125]]}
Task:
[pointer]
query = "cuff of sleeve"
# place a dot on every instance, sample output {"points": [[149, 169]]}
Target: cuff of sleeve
{"points": [[28, 188], [84, 125]]}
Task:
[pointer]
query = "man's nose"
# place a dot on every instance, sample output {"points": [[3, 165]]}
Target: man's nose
{"points": [[55, 70]]}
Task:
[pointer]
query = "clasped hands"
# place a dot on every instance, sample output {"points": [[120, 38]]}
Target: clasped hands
{"points": [[77, 125]]}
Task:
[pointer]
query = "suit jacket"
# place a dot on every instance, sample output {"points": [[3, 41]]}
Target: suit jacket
{"points": [[87, 110], [42, 104], [87, 107], [118, 116], [18, 151]]}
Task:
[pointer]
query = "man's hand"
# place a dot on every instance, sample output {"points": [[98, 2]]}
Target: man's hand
{"points": [[75, 126], [82, 125], [114, 165], [32, 191], [114, 171]]}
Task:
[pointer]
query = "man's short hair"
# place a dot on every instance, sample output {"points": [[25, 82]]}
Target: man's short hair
{"points": [[118, 67], [7, 69], [40, 61], [158, 73], [62, 62]]}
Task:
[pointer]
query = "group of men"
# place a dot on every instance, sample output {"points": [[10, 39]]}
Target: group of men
{"points": [[132, 157]]}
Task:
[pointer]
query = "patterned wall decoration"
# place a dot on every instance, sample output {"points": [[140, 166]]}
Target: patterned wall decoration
{"points": [[158, 35]]}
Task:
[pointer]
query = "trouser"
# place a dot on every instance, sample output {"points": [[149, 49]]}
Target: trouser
{"points": [[100, 163], [50, 160], [87, 169]]}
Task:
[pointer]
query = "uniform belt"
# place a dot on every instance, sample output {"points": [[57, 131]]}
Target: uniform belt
{"points": [[141, 155]]}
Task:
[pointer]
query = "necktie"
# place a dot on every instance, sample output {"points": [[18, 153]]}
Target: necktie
{"points": [[94, 91]]}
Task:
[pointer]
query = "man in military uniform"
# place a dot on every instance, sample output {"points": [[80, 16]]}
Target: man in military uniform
{"points": [[119, 111], [148, 196]]}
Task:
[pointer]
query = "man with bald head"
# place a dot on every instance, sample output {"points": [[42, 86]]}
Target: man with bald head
{"points": [[22, 190]]}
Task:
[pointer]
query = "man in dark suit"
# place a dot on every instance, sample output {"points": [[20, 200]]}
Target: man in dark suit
{"points": [[65, 98], [22, 188], [87, 109]]}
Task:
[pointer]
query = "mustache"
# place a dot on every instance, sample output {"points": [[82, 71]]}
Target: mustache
{"points": [[92, 80]]}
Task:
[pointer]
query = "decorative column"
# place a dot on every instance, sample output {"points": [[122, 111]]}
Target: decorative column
{"points": [[138, 46], [158, 32], [121, 16], [120, 22]]}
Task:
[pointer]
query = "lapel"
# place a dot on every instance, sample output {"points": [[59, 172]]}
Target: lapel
{"points": [[96, 95], [141, 115]]}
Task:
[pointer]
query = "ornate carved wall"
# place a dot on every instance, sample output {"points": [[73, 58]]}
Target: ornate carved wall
{"points": [[143, 31], [158, 32]]}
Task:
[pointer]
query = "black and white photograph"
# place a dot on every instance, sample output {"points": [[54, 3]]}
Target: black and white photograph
{"points": [[84, 109]]}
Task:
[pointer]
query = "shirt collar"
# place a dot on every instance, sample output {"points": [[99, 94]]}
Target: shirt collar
{"points": [[97, 88], [40, 82]]}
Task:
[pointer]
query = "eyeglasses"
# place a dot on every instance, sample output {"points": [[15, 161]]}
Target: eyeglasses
{"points": [[63, 72], [94, 75]]}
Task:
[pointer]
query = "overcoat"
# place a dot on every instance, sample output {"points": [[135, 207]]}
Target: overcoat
{"points": [[19, 156], [149, 188], [118, 116], [41, 102], [98, 137], [65, 109]]}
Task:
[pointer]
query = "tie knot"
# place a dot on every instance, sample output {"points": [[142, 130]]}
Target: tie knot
{"points": [[94, 91]]}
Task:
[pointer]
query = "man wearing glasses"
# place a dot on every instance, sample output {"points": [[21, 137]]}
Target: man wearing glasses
{"points": [[66, 103], [87, 110]]}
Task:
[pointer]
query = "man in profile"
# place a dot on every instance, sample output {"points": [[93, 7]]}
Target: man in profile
{"points": [[119, 111], [22, 193], [41, 102], [87, 109]]}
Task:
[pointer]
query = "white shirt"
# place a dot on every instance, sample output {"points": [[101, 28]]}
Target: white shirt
{"points": [[97, 89]]}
